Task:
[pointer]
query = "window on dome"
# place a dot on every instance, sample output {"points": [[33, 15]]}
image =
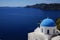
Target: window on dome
{"points": [[42, 29], [47, 31], [54, 31]]}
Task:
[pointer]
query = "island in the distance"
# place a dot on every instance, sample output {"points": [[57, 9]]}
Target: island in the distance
{"points": [[51, 6]]}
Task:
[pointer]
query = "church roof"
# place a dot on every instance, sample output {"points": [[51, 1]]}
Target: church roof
{"points": [[48, 23]]}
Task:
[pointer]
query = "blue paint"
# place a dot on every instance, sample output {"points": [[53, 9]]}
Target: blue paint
{"points": [[48, 23]]}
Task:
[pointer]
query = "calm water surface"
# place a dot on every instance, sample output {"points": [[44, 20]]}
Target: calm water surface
{"points": [[15, 23]]}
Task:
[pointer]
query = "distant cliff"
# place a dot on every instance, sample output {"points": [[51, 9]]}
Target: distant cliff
{"points": [[51, 6]]}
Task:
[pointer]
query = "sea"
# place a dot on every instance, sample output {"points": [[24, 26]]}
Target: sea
{"points": [[16, 23]]}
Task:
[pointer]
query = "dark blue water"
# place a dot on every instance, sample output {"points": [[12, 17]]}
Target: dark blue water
{"points": [[15, 23]]}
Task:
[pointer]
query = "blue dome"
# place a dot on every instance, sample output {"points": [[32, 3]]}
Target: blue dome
{"points": [[48, 23]]}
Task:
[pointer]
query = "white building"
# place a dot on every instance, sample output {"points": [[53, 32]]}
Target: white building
{"points": [[46, 31]]}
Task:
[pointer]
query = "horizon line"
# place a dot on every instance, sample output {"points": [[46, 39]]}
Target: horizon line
{"points": [[28, 5]]}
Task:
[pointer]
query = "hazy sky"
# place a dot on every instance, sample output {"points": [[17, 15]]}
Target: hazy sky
{"points": [[18, 3]]}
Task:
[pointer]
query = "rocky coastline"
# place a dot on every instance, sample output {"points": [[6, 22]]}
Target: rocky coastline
{"points": [[44, 6]]}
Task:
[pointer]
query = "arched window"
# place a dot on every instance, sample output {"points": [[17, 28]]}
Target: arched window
{"points": [[42, 29], [54, 31], [47, 31]]}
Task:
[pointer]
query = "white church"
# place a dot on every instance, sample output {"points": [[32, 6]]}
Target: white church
{"points": [[47, 31]]}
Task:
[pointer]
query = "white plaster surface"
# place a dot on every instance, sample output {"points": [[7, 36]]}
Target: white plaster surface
{"points": [[56, 38], [51, 29], [38, 35]]}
